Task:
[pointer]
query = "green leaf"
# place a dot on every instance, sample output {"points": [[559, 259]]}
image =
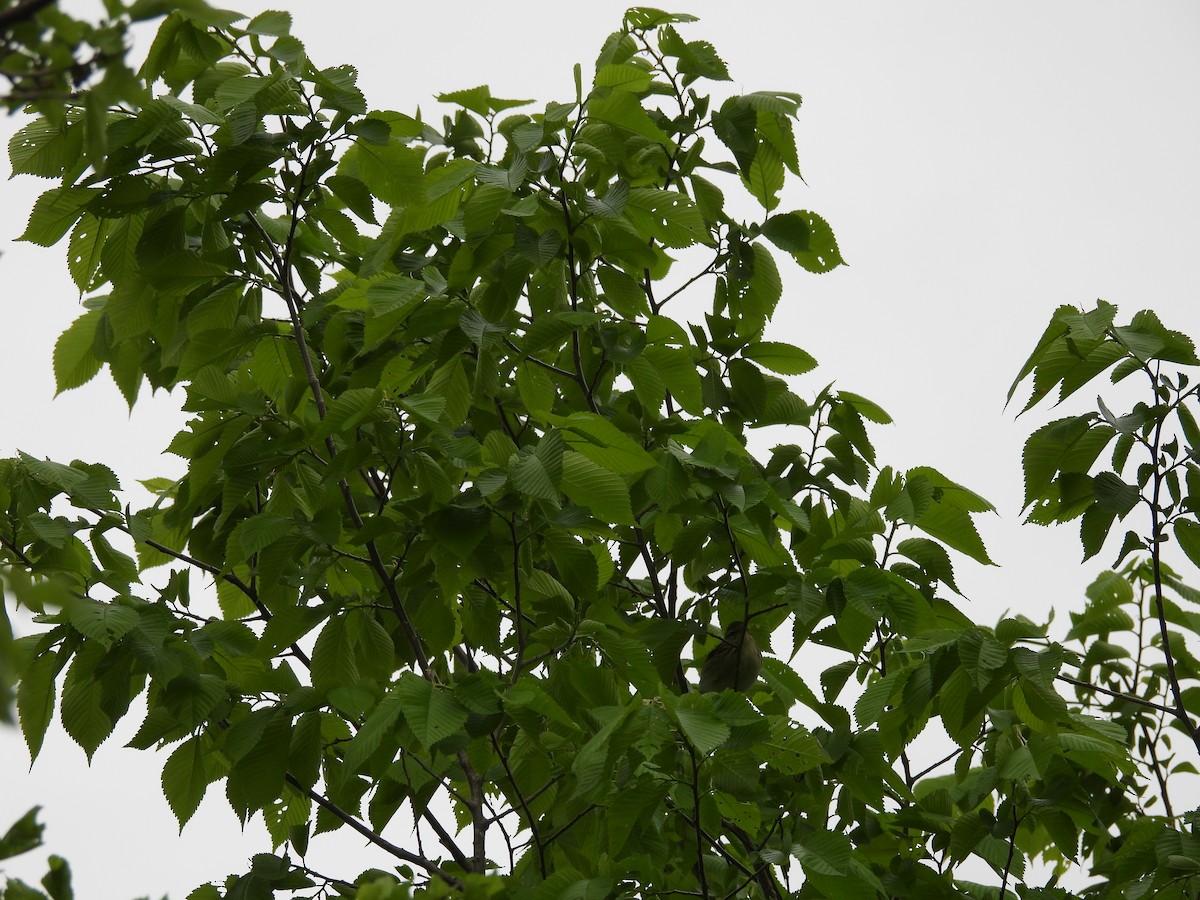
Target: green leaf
{"points": [[623, 76], [431, 711], [46, 148], [643, 18], [678, 373], [185, 779], [1187, 533], [1065, 445], [84, 251], [764, 178], [24, 835], [932, 557], [54, 213], [948, 518], [866, 408], [393, 172], [824, 852], [106, 623], [380, 724], [622, 109], [255, 534], [35, 701], [807, 237], [528, 475], [272, 23], [603, 443], [667, 216], [257, 777], [703, 730], [333, 657], [589, 484], [75, 361], [778, 357], [349, 410], [83, 714]]}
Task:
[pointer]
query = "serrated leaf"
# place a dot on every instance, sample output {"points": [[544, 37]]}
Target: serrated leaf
{"points": [[528, 474], [106, 623], [764, 178], [36, 693], [379, 724], [779, 357], [703, 730], [185, 779], [258, 776], [82, 711], [75, 363], [273, 23], [588, 484], [603, 443], [432, 712], [1187, 533], [54, 213]]}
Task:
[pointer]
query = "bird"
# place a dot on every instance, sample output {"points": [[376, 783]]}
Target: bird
{"points": [[734, 663]]}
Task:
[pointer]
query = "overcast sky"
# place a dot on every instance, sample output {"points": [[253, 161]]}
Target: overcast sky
{"points": [[980, 163]]}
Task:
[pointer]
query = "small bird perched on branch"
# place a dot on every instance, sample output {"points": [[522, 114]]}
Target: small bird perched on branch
{"points": [[734, 663]]}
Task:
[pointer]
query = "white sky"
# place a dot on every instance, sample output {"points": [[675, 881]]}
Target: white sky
{"points": [[980, 163]]}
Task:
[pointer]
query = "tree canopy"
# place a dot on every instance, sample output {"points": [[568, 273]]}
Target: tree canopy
{"points": [[491, 446]]}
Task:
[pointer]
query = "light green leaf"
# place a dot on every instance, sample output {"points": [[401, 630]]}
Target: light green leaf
{"points": [[432, 712], [602, 442], [256, 534], [273, 23], [624, 77], [54, 213], [778, 357], [668, 216], [604, 492], [764, 179], [674, 365], [75, 363]]}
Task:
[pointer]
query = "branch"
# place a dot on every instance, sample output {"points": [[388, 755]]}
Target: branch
{"points": [[533, 827], [1118, 695], [549, 367], [399, 852], [216, 572], [700, 873], [1012, 851], [21, 12], [561, 831], [1180, 711], [282, 268], [4, 542]]}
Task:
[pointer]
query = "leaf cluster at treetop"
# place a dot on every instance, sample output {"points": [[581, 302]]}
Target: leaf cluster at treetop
{"points": [[477, 505]]}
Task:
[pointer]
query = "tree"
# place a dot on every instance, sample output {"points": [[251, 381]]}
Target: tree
{"points": [[474, 507]]}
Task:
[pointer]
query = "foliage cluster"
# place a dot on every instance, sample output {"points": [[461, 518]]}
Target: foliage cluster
{"points": [[472, 501]]}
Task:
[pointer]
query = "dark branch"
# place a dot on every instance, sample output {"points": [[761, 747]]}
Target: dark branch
{"points": [[20, 13], [399, 852]]}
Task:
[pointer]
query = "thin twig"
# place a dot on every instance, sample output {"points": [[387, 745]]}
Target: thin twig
{"points": [[399, 852]]}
